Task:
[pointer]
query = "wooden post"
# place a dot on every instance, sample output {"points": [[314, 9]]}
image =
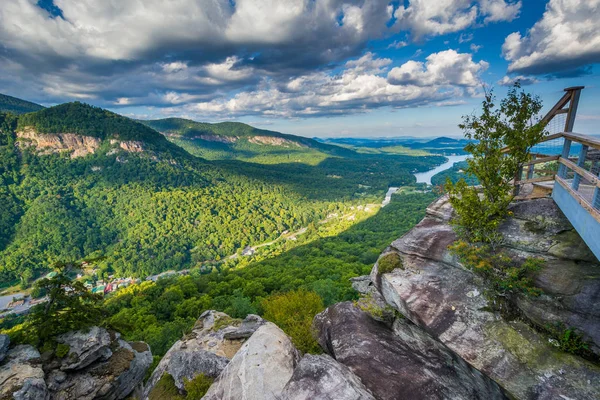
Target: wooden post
{"points": [[531, 168], [580, 163], [562, 170], [572, 113]]}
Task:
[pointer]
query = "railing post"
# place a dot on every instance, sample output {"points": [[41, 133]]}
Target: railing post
{"points": [[562, 170], [531, 168], [580, 163]]}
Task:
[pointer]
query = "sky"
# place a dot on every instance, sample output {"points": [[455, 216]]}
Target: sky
{"points": [[324, 68]]}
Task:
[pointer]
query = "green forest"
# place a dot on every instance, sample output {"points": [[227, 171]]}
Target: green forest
{"points": [[144, 213]]}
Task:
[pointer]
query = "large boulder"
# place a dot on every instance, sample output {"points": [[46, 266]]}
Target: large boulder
{"points": [[320, 377], [399, 363], [214, 340], [21, 375], [96, 368], [260, 369], [4, 343], [85, 347], [436, 293]]}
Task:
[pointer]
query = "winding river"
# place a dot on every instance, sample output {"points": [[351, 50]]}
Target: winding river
{"points": [[425, 177]]}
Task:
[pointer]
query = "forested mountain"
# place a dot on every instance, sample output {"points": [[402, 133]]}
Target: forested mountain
{"points": [[238, 141], [441, 145], [80, 182], [17, 106]]}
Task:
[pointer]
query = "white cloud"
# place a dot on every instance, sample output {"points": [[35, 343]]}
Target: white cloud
{"points": [[364, 84], [465, 37], [475, 47], [431, 18], [500, 10], [444, 68], [565, 39]]}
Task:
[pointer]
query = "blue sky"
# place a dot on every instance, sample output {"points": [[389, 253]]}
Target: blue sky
{"points": [[337, 68]]}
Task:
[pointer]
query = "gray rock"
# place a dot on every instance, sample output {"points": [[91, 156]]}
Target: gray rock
{"points": [[214, 340], [108, 379], [362, 284], [259, 370], [404, 363], [21, 375], [85, 347], [4, 343], [436, 293], [322, 378]]}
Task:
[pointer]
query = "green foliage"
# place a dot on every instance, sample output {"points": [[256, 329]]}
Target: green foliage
{"points": [[70, 306], [388, 263], [515, 125], [165, 389], [502, 273], [197, 387], [17, 106], [456, 173], [61, 350], [323, 263], [150, 212], [293, 312]]}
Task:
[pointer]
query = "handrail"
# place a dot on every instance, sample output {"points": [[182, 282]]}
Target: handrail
{"points": [[594, 180], [583, 139], [594, 212]]}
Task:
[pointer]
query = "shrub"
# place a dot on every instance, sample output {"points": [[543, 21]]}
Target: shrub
{"points": [[165, 389], [388, 263], [502, 274], [62, 350], [197, 387], [293, 312]]}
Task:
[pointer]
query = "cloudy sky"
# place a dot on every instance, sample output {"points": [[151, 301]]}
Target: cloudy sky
{"points": [[308, 67]]}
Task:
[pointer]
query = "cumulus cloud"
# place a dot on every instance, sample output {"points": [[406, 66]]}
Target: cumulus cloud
{"points": [[364, 84], [240, 57], [444, 68], [431, 18], [562, 42], [524, 80]]}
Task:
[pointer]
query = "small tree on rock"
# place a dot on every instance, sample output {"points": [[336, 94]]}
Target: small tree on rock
{"points": [[516, 125]]}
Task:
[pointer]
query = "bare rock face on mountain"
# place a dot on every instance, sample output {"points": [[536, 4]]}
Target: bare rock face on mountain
{"points": [[436, 293], [400, 363], [321, 377], [55, 143], [21, 375], [260, 369], [214, 340]]}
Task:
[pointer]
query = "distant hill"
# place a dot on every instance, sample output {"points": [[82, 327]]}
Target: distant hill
{"points": [[239, 141], [85, 120], [17, 106], [442, 145]]}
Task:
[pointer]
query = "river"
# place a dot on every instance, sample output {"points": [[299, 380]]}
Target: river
{"points": [[425, 177]]}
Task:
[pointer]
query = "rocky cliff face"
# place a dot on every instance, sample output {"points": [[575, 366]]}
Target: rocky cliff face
{"points": [[97, 365], [77, 145], [436, 293]]}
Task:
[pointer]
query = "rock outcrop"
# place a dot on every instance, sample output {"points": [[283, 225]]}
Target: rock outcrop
{"points": [[274, 141], [321, 377], [98, 365], [4, 343], [436, 293], [260, 369], [399, 363], [21, 375], [58, 142], [78, 145], [214, 340]]}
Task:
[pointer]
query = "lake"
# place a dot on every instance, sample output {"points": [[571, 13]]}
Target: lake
{"points": [[425, 177]]}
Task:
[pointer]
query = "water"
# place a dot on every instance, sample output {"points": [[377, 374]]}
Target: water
{"points": [[425, 177]]}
